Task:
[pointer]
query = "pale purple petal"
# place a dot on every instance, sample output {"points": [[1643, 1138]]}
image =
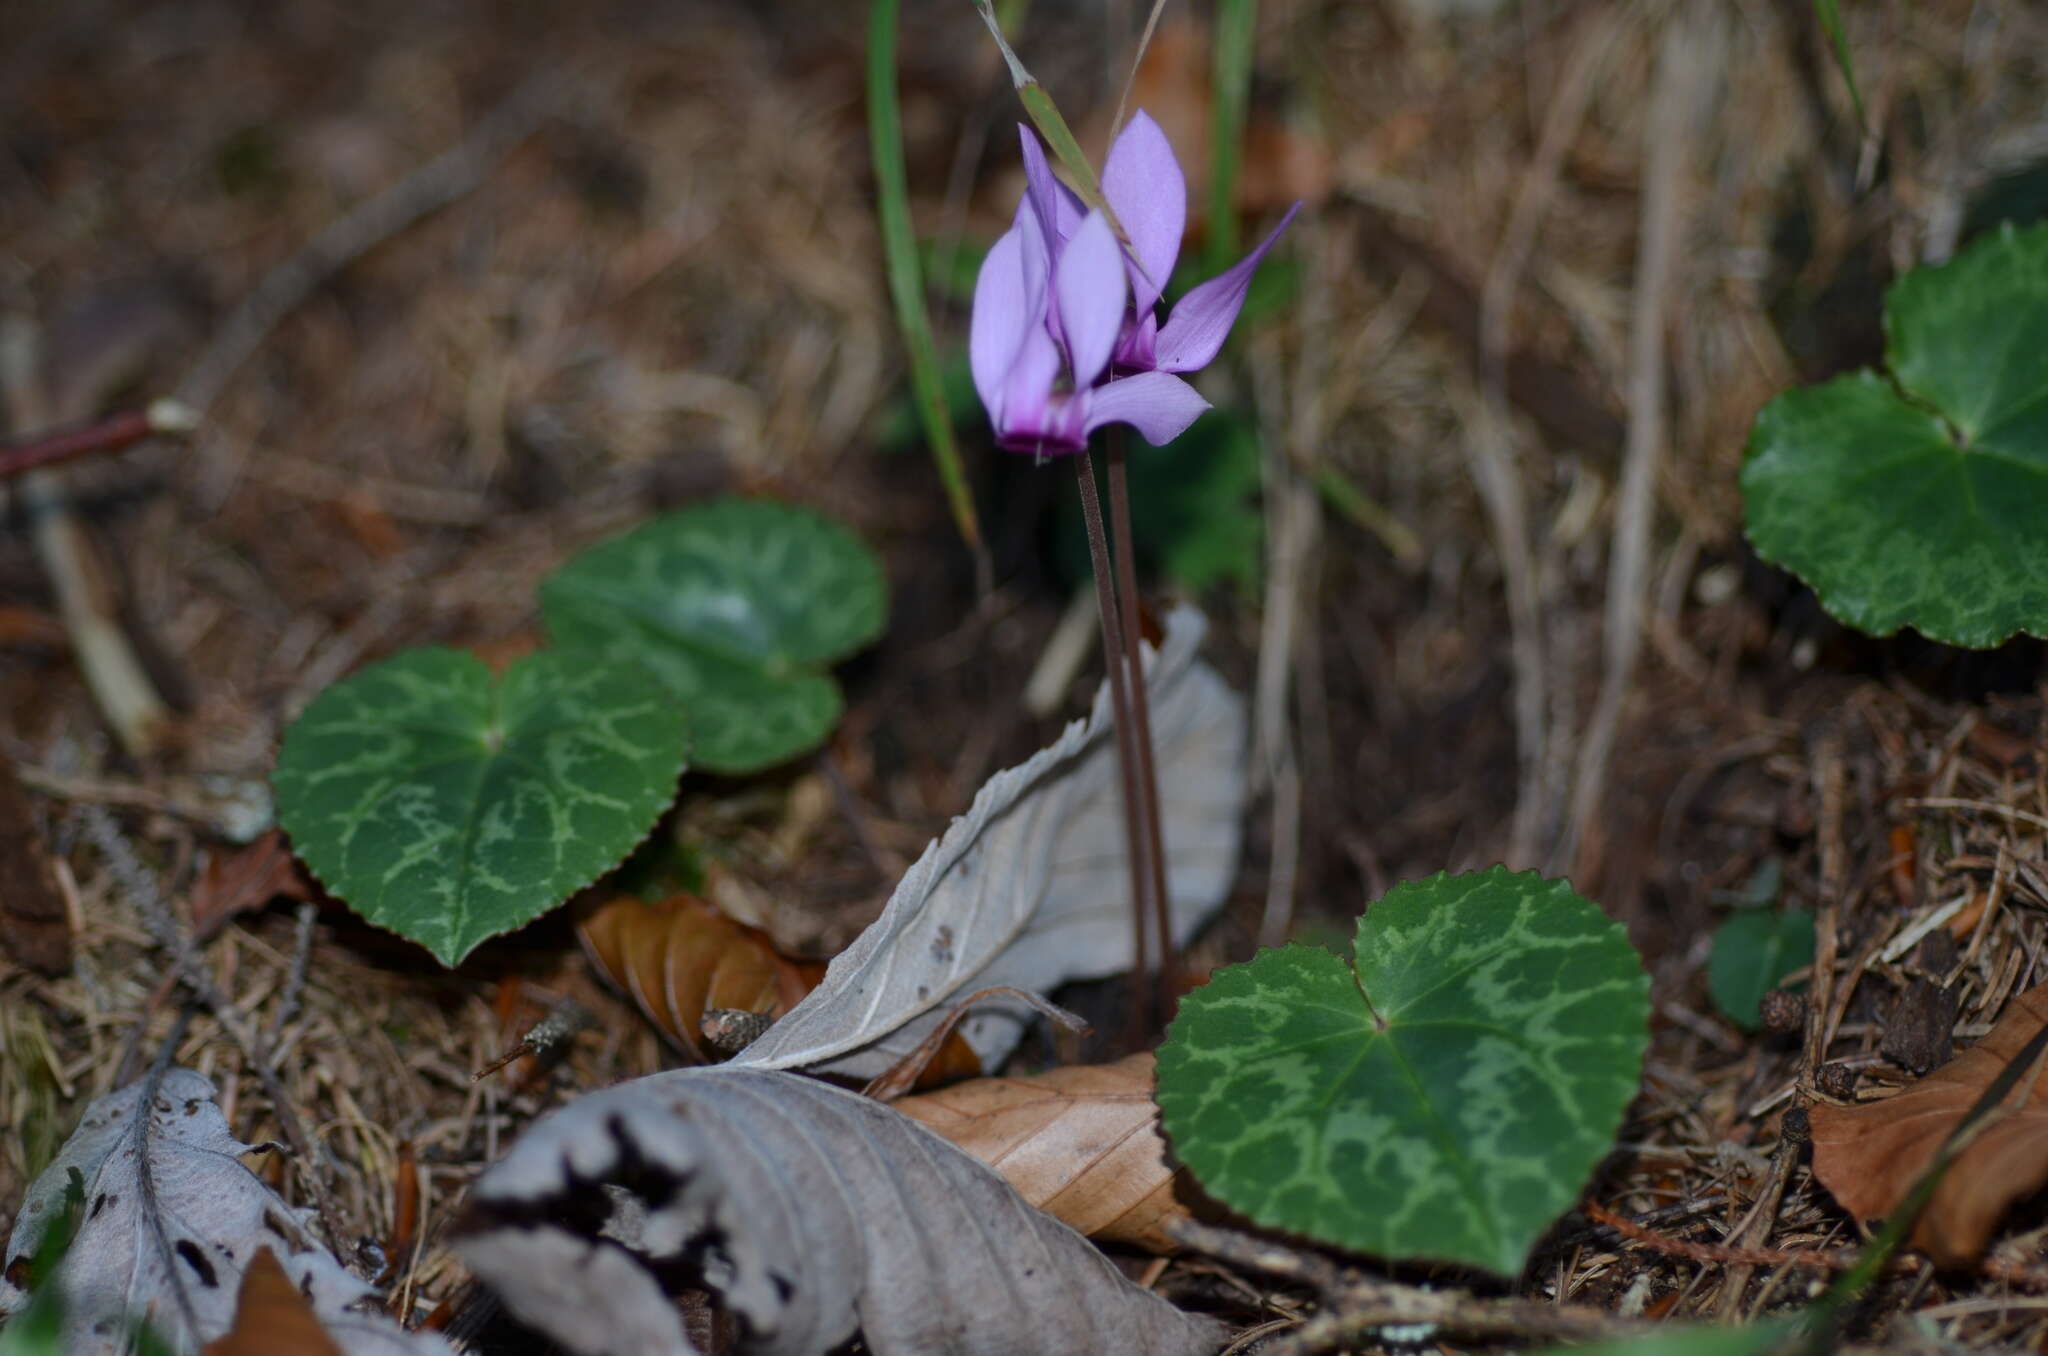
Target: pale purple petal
{"points": [[1149, 195], [1159, 406], [1059, 211], [1088, 293], [995, 329], [1026, 388], [1137, 344], [1034, 260], [1201, 320]]}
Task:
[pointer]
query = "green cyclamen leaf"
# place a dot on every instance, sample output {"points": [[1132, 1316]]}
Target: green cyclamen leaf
{"points": [[1917, 500], [736, 606], [1753, 951], [1447, 1100], [449, 806]]}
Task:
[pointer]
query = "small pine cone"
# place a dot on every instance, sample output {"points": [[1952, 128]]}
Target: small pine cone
{"points": [[1794, 1127], [1784, 1011]]}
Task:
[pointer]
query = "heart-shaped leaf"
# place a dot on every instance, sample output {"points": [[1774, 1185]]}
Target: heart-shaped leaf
{"points": [[1752, 952], [449, 806], [1916, 499], [736, 606], [1446, 1099]]}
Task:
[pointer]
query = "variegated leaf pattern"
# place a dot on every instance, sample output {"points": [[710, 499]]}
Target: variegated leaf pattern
{"points": [[1445, 1100], [449, 806], [736, 606]]}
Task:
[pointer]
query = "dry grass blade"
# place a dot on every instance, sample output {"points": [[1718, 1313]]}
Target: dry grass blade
{"points": [[1081, 1143], [1870, 1156]]}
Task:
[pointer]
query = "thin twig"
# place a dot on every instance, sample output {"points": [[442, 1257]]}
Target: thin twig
{"points": [[140, 886], [1681, 110], [111, 434], [82, 581], [1357, 1305], [295, 978]]}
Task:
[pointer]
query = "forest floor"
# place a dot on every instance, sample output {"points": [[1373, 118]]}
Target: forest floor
{"points": [[651, 274]]}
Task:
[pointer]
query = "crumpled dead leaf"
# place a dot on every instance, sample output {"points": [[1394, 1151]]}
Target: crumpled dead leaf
{"points": [[244, 880], [1869, 1156], [680, 959], [808, 1211], [1081, 1143], [1029, 888], [677, 957], [178, 1265]]}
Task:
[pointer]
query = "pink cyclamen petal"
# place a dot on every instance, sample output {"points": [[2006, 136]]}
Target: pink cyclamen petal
{"points": [[995, 329], [1144, 186], [1059, 210], [1201, 320], [1156, 404], [1089, 294], [1027, 387]]}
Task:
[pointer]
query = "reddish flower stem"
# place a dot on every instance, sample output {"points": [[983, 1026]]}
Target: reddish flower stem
{"points": [[1141, 715], [1126, 756]]}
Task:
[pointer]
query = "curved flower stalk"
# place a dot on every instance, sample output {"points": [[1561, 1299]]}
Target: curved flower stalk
{"points": [[1065, 335]]}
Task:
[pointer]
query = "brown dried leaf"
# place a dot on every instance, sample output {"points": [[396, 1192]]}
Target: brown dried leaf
{"points": [[1081, 1143], [243, 881], [271, 1317], [35, 928], [1869, 1156], [678, 956]]}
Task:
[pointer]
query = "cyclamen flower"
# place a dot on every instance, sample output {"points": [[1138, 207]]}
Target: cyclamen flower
{"points": [[1065, 337]]}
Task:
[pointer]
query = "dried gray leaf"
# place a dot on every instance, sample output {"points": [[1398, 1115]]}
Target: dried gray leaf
{"points": [[177, 1264], [1029, 888], [809, 1213]]}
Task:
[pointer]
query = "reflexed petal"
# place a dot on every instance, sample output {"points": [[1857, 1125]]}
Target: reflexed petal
{"points": [[1088, 293], [1149, 195], [1159, 406], [1201, 320], [1000, 317], [1137, 345], [1059, 211]]}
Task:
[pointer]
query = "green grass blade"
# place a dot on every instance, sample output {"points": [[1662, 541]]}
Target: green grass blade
{"points": [[1045, 116], [1236, 22], [1829, 12], [906, 284]]}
